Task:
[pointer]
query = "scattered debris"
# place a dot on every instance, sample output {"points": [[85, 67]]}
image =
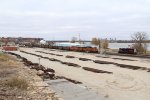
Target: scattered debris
{"points": [[58, 55], [53, 59], [28, 63], [121, 65], [49, 53], [103, 56], [128, 66], [84, 59], [49, 70], [71, 64], [102, 62], [70, 56], [71, 80], [48, 73], [124, 59], [96, 70]]}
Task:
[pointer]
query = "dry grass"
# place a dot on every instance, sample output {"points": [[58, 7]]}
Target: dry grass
{"points": [[4, 57], [11, 63], [16, 82], [6, 70], [5, 73], [7, 61]]}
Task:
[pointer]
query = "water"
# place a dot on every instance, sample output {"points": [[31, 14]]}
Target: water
{"points": [[111, 45], [122, 45]]}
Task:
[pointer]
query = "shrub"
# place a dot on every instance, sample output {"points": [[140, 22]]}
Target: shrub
{"points": [[140, 44], [104, 44]]}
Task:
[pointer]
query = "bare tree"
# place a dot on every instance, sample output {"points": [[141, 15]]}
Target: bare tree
{"points": [[97, 42], [104, 44], [140, 42]]}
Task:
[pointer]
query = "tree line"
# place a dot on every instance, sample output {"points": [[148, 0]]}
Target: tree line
{"points": [[139, 40]]}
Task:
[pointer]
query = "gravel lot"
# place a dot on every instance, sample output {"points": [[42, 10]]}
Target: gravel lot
{"points": [[123, 84]]}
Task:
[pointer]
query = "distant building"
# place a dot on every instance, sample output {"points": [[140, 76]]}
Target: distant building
{"points": [[31, 40], [19, 40]]}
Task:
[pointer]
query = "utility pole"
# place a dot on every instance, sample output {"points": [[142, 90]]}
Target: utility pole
{"points": [[79, 38], [39, 60]]}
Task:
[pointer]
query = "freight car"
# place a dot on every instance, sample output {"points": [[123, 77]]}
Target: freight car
{"points": [[127, 51]]}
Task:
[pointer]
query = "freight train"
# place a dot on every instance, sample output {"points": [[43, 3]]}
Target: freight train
{"points": [[69, 47], [76, 48], [81, 48]]}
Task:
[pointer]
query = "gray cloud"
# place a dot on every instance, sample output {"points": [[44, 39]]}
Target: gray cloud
{"points": [[62, 19]]}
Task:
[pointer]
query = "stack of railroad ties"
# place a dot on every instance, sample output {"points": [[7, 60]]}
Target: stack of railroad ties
{"points": [[10, 48]]}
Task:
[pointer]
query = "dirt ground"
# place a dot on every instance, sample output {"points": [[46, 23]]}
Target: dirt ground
{"points": [[17, 82], [124, 82]]}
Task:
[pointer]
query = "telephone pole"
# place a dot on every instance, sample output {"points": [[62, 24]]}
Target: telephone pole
{"points": [[79, 38]]}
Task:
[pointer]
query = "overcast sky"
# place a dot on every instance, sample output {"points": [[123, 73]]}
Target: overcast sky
{"points": [[63, 19]]}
